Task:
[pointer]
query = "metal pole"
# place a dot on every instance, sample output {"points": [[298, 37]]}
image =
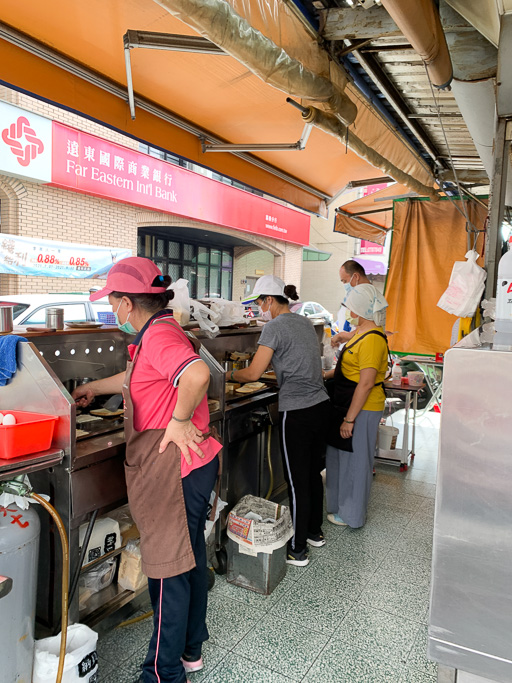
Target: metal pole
{"points": [[129, 81], [497, 206]]}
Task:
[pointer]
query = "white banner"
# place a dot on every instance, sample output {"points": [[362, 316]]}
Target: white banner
{"points": [[30, 256]]}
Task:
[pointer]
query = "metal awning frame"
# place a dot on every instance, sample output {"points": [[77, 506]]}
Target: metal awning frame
{"points": [[356, 217], [162, 41]]}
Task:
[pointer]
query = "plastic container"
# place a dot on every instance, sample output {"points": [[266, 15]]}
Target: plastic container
{"points": [[415, 378], [33, 432], [106, 317], [105, 537], [387, 437], [396, 374], [329, 356]]}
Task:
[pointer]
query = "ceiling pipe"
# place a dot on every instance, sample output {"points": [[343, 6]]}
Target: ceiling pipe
{"points": [[217, 21], [420, 23], [333, 126]]}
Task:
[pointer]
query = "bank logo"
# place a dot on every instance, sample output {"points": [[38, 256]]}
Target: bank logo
{"points": [[22, 140]]}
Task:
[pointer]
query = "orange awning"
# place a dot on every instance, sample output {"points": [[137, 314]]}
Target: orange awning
{"points": [[370, 217], [215, 93]]}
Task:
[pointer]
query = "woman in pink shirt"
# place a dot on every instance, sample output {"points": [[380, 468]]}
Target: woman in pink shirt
{"points": [[171, 461]]}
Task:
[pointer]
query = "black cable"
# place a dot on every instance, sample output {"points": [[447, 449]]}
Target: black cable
{"points": [[83, 550]]}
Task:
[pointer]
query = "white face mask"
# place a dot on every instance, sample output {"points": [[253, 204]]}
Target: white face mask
{"points": [[265, 315]]}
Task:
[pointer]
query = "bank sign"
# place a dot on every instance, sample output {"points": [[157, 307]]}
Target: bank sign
{"points": [[40, 150]]}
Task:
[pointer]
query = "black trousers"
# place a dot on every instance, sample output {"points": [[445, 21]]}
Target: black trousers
{"points": [[302, 435]]}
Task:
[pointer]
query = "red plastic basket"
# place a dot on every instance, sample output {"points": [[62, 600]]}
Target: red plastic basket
{"points": [[32, 433]]}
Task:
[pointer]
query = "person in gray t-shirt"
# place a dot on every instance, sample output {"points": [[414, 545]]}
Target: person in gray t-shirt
{"points": [[290, 343], [296, 361]]}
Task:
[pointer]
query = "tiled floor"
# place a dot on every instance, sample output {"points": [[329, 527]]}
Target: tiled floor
{"points": [[356, 614]]}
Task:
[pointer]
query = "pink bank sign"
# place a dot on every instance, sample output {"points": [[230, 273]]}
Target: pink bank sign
{"points": [[85, 163]]}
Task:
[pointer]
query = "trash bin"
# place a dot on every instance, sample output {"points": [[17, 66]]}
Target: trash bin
{"points": [[258, 531]]}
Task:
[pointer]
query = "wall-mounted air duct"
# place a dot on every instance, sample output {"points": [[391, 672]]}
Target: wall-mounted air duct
{"points": [[420, 23], [217, 21], [333, 126]]}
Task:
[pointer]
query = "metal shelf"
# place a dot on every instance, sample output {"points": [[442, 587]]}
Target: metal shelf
{"points": [[107, 556], [30, 463], [107, 601]]}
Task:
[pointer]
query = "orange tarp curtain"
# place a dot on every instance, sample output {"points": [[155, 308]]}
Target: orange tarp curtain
{"points": [[427, 240]]}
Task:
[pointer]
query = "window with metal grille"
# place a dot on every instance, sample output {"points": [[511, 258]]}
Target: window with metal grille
{"points": [[209, 270]]}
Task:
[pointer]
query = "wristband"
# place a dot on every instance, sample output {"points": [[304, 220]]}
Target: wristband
{"points": [[231, 376], [178, 419], [350, 422]]}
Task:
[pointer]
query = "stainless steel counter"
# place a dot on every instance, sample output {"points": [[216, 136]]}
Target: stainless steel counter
{"points": [[470, 626]]}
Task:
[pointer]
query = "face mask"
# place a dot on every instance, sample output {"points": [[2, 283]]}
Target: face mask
{"points": [[265, 315], [351, 320], [126, 326], [348, 287]]}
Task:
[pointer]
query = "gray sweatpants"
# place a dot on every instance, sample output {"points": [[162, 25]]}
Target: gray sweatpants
{"points": [[349, 475]]}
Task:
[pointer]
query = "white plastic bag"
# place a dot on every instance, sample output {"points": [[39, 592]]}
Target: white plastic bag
{"points": [[206, 318], [230, 312], [466, 287], [80, 664], [180, 303]]}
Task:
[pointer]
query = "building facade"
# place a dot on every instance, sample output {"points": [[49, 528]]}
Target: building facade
{"points": [[217, 260]]}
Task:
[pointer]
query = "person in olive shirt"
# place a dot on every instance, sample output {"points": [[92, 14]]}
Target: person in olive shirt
{"points": [[290, 343]]}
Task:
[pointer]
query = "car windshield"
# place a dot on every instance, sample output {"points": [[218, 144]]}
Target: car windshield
{"points": [[16, 308]]}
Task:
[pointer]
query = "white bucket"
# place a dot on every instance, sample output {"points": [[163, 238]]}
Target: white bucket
{"points": [[387, 437]]}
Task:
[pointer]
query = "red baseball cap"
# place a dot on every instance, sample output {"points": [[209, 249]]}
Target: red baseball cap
{"points": [[132, 275]]}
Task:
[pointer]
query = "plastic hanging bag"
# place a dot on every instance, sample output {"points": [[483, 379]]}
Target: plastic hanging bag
{"points": [[206, 318], [467, 283], [80, 664], [181, 301]]}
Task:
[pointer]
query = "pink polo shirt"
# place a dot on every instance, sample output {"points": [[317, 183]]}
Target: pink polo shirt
{"points": [[165, 354]]}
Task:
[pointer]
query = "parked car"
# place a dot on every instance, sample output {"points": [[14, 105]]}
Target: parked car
{"points": [[311, 309], [29, 309]]}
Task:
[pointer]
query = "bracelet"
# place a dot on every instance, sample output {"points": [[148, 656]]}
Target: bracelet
{"points": [[350, 422], [231, 375], [178, 419]]}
